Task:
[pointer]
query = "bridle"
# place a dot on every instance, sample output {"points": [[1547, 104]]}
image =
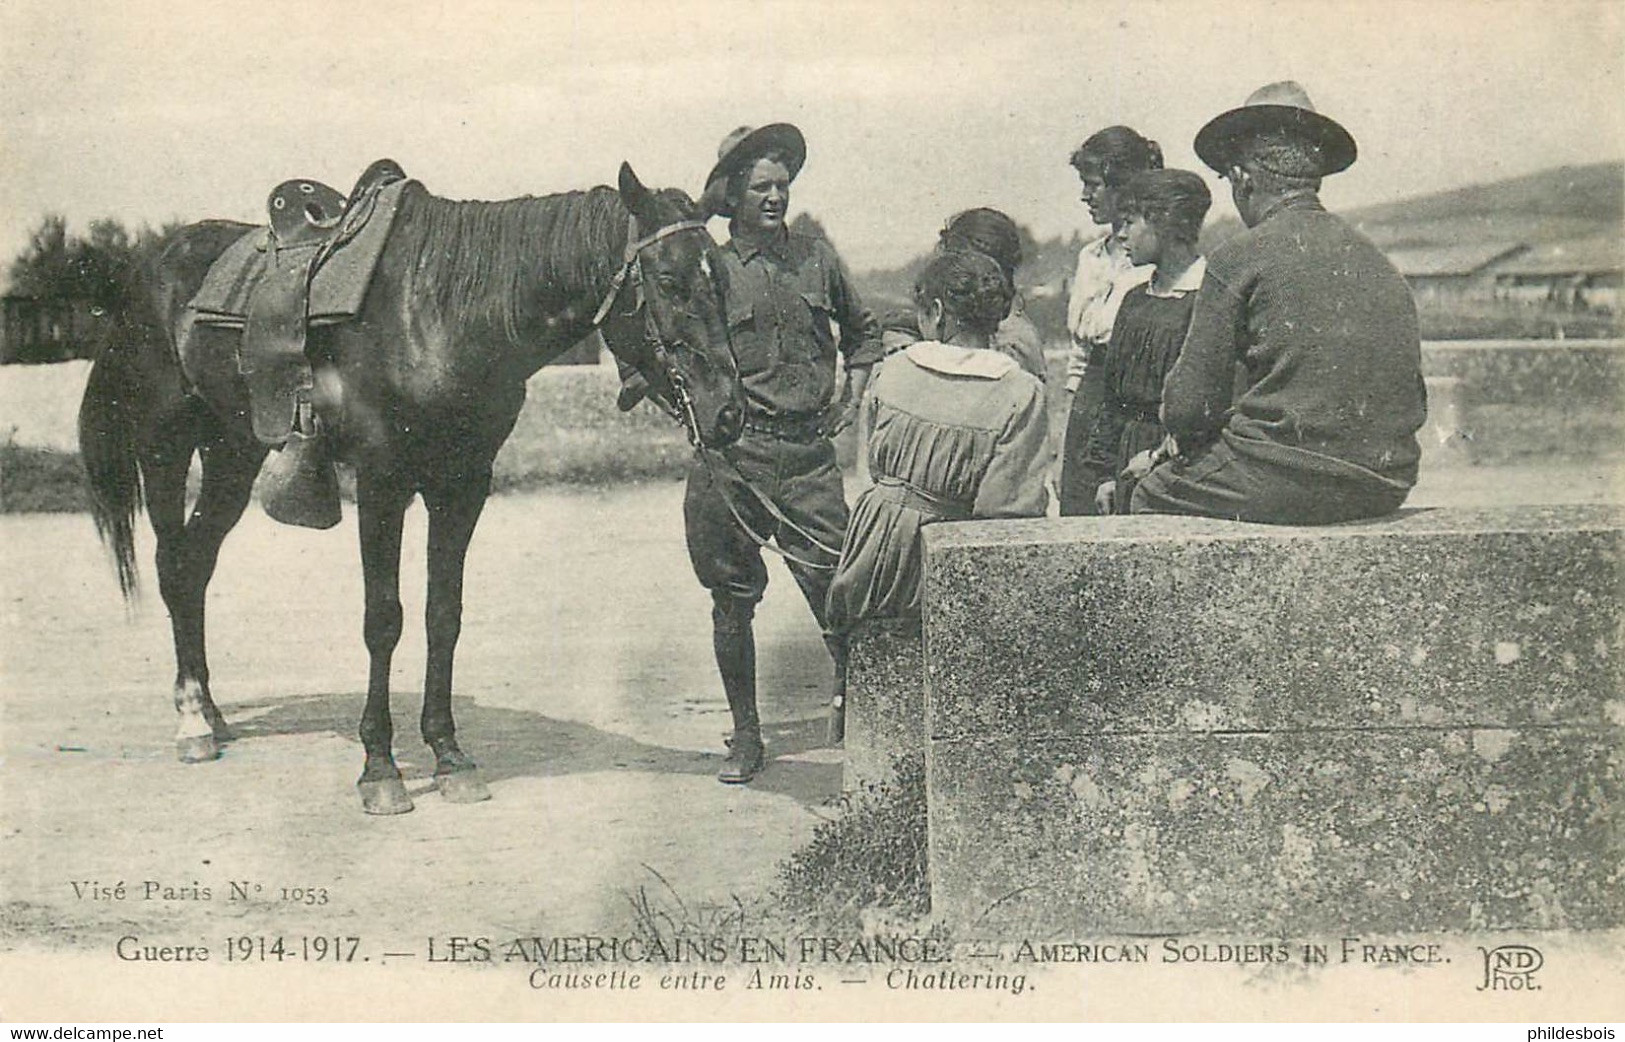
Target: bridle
{"points": [[682, 408]]}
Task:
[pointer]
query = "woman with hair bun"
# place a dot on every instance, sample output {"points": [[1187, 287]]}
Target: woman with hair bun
{"points": [[959, 431], [992, 233], [1105, 162]]}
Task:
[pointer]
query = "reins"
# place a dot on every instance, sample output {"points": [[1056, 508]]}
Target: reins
{"points": [[683, 410], [772, 508]]}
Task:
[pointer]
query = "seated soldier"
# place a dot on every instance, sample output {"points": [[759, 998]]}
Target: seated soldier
{"points": [[1325, 428]]}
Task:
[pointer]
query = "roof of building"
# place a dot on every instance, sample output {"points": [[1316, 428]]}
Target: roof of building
{"points": [[1442, 261], [1594, 256]]}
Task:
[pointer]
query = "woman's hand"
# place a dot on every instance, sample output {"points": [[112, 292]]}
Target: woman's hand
{"points": [[1106, 497], [1144, 462], [1140, 465], [840, 416], [843, 412]]}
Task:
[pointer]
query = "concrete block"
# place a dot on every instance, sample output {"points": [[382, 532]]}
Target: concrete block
{"points": [[1495, 402], [885, 701], [1446, 440], [1174, 723], [1481, 618], [1286, 834]]}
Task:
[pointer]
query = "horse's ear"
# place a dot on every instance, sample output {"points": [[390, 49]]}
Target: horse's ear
{"points": [[638, 199]]}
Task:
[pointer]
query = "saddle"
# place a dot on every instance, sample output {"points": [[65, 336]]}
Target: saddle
{"points": [[310, 266]]}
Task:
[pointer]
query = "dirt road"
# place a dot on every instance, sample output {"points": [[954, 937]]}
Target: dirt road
{"points": [[584, 688]]}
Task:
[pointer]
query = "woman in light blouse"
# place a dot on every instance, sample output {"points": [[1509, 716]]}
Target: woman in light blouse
{"points": [[1105, 162]]}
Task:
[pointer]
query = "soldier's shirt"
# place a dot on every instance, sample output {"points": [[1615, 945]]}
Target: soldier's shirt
{"points": [[786, 300]]}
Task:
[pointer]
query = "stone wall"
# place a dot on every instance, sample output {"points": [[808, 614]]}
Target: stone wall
{"points": [[1516, 401], [1175, 724], [1530, 372]]}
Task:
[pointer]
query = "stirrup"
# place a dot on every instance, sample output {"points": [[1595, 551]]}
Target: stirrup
{"points": [[300, 485]]}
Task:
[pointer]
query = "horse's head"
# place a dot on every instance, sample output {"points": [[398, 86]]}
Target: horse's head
{"points": [[685, 354]]}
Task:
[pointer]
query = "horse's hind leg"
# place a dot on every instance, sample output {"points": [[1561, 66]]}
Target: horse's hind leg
{"points": [[228, 483], [454, 510], [188, 549], [164, 474], [381, 501]]}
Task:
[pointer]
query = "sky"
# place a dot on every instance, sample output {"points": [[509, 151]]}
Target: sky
{"points": [[913, 110]]}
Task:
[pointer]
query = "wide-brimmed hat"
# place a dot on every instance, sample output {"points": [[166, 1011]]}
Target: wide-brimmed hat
{"points": [[745, 146], [1279, 108]]}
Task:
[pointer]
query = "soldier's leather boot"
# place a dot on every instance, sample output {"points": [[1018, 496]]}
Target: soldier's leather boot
{"points": [[735, 647]]}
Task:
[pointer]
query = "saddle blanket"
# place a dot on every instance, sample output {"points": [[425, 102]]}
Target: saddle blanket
{"points": [[336, 291]]}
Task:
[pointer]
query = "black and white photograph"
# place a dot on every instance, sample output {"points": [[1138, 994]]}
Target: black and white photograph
{"points": [[795, 511]]}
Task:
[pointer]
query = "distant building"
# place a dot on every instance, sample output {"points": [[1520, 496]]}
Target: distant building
{"points": [[35, 330], [1581, 274], [1439, 272]]}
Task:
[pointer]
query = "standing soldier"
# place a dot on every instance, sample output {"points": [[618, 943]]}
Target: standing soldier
{"points": [[779, 484]]}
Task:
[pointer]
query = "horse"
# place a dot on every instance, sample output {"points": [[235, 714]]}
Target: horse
{"points": [[467, 301]]}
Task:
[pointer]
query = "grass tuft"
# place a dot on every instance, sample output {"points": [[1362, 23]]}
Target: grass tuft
{"points": [[869, 860]]}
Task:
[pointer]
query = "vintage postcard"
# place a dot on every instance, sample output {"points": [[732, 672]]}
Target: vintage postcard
{"points": [[532, 511]]}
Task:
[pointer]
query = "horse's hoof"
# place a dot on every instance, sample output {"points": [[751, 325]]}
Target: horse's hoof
{"points": [[384, 797], [197, 749], [462, 787], [221, 730]]}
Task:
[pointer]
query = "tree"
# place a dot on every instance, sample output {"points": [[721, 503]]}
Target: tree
{"points": [[806, 224], [1031, 248], [97, 269], [44, 266]]}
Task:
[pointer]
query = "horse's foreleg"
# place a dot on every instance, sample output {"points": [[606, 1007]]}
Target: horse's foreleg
{"points": [[381, 502], [453, 513]]}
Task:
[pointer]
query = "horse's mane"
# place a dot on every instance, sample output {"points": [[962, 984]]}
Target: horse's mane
{"points": [[510, 264]]}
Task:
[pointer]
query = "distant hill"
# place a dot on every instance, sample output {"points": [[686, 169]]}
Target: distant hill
{"points": [[1568, 202], [1565, 203]]}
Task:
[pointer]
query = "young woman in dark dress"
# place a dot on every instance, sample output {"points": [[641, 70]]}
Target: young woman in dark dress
{"points": [[1161, 213]]}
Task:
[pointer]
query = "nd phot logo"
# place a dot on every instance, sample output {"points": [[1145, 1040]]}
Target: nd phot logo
{"points": [[1511, 967]]}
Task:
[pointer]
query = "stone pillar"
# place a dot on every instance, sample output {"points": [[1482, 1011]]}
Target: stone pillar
{"points": [[1446, 440], [885, 701]]}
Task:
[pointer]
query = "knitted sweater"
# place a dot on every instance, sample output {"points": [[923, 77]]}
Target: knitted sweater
{"points": [[1326, 331]]}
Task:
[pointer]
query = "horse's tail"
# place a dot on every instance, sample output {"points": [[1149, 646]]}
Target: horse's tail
{"points": [[107, 447]]}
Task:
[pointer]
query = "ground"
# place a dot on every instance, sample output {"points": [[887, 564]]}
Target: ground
{"points": [[585, 689]]}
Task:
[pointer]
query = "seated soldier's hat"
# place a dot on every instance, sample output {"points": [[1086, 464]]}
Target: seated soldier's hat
{"points": [[1279, 109], [742, 148]]}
